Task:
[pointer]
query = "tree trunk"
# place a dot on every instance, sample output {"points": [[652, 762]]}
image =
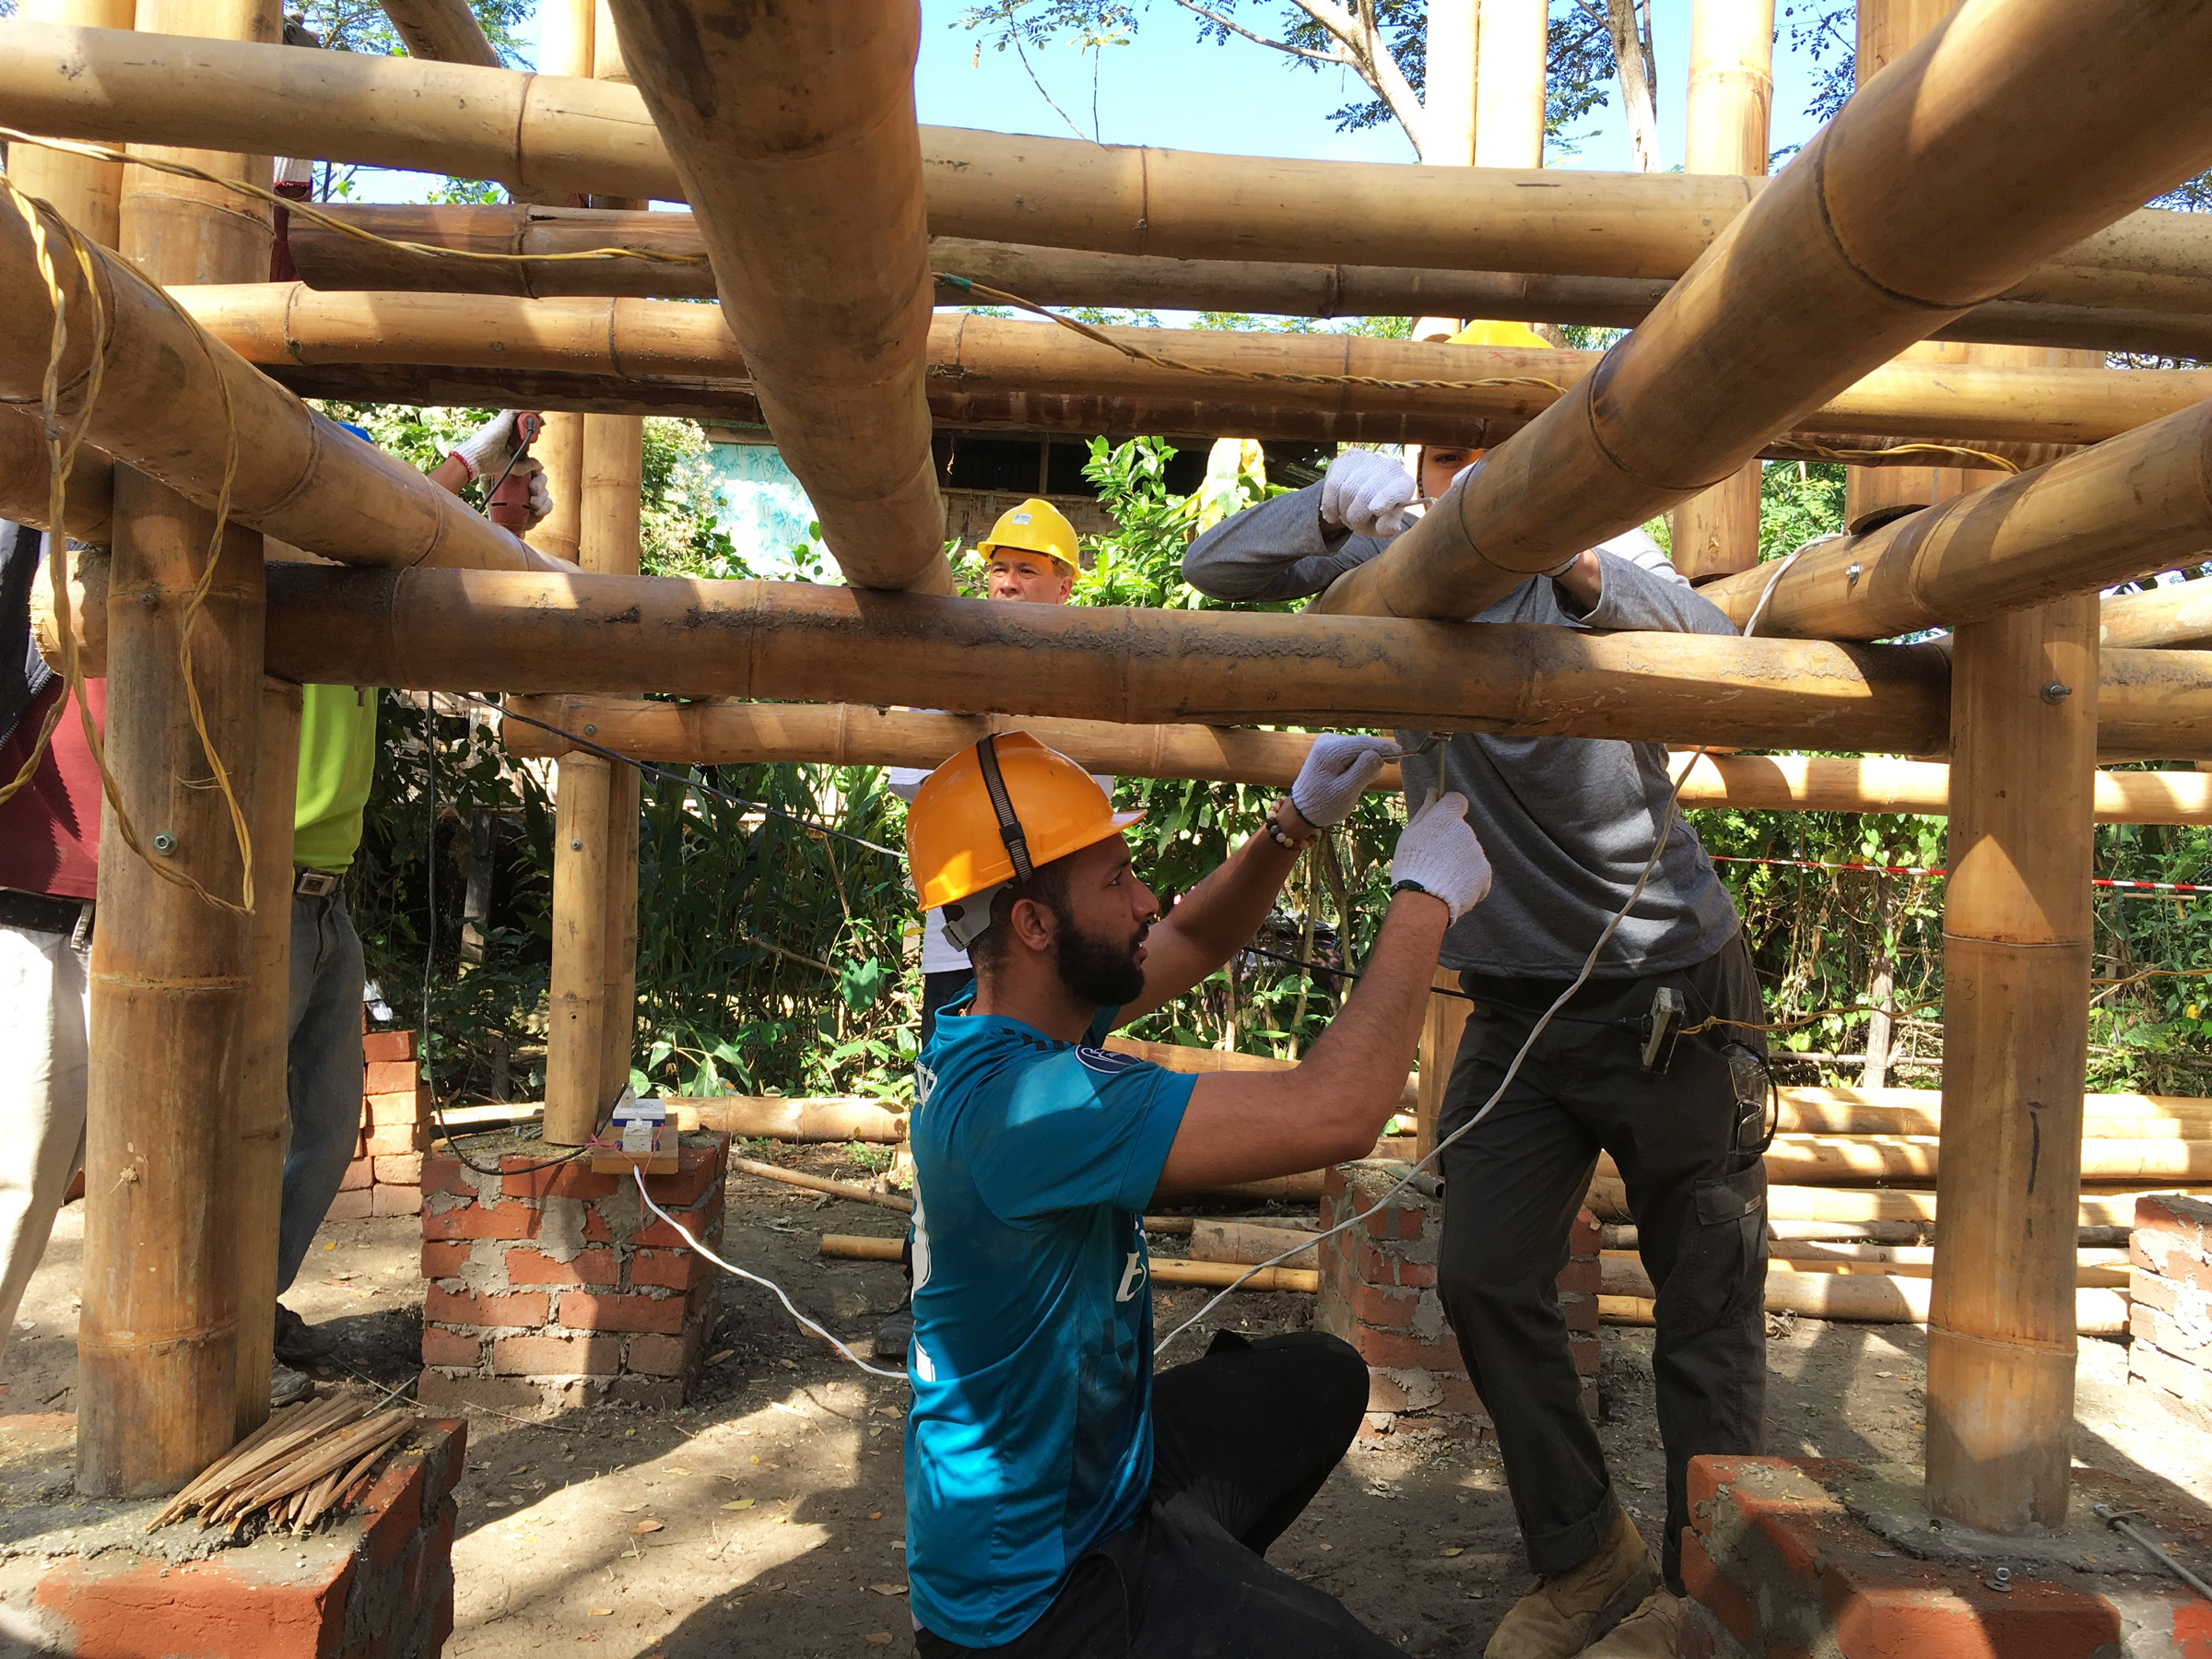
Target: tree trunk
{"points": [[1632, 53]]}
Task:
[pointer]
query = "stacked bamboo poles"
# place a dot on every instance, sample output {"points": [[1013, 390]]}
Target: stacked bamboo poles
{"points": [[2130, 506], [794, 136], [446, 30], [548, 135], [745, 734], [667, 346], [455, 629], [174, 399], [2179, 616], [307, 1461], [1824, 277], [1725, 121]]}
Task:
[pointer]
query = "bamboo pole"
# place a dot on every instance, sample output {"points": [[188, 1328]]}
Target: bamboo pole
{"points": [[2016, 955], [2101, 1210], [819, 1183], [560, 449], [1441, 1027], [794, 136], [546, 135], [256, 1177], [1874, 1157], [775, 1117], [2131, 506], [1249, 1243], [575, 1026], [1826, 274], [444, 30], [1508, 83], [718, 732], [1074, 276], [613, 472], [1214, 1276], [172, 393], [289, 327], [1725, 120], [440, 630], [25, 476], [1871, 1301], [2180, 615], [88, 193]]}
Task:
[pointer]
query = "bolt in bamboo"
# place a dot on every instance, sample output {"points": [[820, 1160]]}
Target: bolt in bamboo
{"points": [[1726, 118], [794, 136], [173, 398], [576, 1039], [453, 631], [446, 30], [2133, 505], [1073, 277], [1826, 276], [2017, 949]]}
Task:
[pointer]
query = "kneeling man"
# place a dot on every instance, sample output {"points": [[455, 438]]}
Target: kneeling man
{"points": [[1060, 1501]]}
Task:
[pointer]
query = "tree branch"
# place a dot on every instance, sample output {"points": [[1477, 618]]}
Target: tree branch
{"points": [[1341, 59], [1370, 57]]}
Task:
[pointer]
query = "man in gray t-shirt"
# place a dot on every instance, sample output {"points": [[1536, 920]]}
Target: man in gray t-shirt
{"points": [[1569, 824]]}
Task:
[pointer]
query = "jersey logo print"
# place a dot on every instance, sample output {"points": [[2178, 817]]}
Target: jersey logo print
{"points": [[1133, 1276], [1099, 1060], [925, 1085]]}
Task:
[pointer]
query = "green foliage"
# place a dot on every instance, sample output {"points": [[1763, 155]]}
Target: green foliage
{"points": [[1798, 500]]}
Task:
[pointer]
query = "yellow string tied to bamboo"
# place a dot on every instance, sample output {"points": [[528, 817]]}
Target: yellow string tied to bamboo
{"points": [[61, 455], [1792, 449]]}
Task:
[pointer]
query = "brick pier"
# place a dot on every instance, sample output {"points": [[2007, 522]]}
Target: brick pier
{"points": [[2169, 1303]]}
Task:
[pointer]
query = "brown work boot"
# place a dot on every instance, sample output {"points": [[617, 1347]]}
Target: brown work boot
{"points": [[1563, 1614], [1647, 1633]]}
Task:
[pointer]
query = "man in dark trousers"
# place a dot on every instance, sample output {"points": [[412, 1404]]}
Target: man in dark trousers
{"points": [[1060, 1503], [1569, 824]]}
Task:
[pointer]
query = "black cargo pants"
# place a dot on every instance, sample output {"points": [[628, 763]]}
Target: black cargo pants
{"points": [[1696, 1186]]}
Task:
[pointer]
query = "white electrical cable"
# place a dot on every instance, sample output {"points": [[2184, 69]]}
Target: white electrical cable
{"points": [[897, 1376]]}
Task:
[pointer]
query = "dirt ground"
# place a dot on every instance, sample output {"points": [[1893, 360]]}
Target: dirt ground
{"points": [[765, 1519]]}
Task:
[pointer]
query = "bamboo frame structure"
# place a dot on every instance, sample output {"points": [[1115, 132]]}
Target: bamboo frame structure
{"points": [[2018, 941], [551, 135], [663, 345], [174, 396], [1725, 122], [327, 258], [796, 138], [2126, 508], [88, 191], [747, 734], [2179, 615], [443, 29], [1823, 277]]}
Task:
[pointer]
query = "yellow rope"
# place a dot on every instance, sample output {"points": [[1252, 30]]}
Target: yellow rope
{"points": [[61, 455], [1791, 448]]}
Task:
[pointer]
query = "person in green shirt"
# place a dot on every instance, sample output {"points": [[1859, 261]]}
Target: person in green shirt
{"points": [[338, 763]]}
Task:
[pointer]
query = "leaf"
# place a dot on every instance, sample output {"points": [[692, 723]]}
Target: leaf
{"points": [[738, 1503], [646, 1526], [889, 1589]]}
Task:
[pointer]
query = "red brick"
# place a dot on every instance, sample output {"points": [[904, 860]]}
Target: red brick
{"points": [[482, 1221], [662, 1355], [697, 1168], [396, 1201], [390, 1076], [360, 1174], [536, 1267], [1586, 1352], [1394, 1223], [596, 1228], [400, 1169], [584, 1311], [556, 1355], [670, 1269], [351, 1206], [1585, 1237], [1459, 1398], [445, 1175], [525, 1309], [150, 1609], [394, 1503], [1580, 1313], [444, 1259], [1386, 1307], [1373, 1267], [440, 1346], [1712, 1592], [1580, 1278], [383, 1111], [531, 1178], [387, 1045], [1399, 1349], [440, 1478], [703, 1225], [2035, 1619], [388, 1139]]}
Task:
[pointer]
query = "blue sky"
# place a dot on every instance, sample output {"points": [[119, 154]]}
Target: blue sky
{"points": [[1165, 88]]}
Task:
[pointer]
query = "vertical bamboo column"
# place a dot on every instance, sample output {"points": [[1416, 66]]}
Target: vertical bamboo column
{"points": [[565, 41], [1441, 1029], [2017, 950], [575, 1030], [613, 466], [86, 193], [1726, 120], [1508, 83], [264, 1095]]}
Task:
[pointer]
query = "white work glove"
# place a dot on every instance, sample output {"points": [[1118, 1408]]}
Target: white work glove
{"points": [[1367, 494], [1438, 853], [487, 450], [541, 489], [1338, 769]]}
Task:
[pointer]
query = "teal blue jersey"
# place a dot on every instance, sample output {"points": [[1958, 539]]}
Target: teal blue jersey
{"points": [[1031, 1434]]}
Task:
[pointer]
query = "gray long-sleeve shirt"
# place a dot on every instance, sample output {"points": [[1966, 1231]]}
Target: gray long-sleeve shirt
{"points": [[1567, 822]]}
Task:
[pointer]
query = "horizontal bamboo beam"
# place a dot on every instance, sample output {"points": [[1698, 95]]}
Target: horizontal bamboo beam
{"points": [[174, 401], [2179, 615], [25, 475], [1856, 1159], [1074, 276], [2129, 507], [546, 137], [1998, 117], [1608, 1201], [443, 29], [677, 344], [455, 631], [1867, 1301], [1212, 1275]]}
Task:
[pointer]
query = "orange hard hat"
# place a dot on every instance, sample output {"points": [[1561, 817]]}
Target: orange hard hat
{"points": [[997, 811]]}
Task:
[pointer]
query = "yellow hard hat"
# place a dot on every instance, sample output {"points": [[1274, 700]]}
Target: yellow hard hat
{"points": [[996, 812], [1035, 526], [1499, 333]]}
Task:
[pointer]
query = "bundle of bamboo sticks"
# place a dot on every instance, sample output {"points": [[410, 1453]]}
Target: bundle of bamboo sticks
{"points": [[307, 1461]]}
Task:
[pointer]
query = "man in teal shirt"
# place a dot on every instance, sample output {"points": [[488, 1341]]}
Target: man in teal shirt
{"points": [[337, 764], [1060, 1501]]}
